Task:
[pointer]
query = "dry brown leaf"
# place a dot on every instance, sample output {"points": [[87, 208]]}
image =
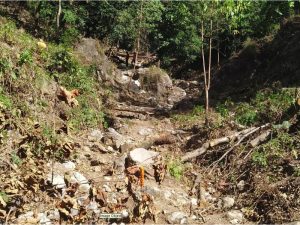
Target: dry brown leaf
{"points": [[68, 96], [159, 172], [2, 213], [2, 202], [101, 198]]}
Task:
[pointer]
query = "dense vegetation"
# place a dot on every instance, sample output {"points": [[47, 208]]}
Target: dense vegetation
{"points": [[170, 28]]}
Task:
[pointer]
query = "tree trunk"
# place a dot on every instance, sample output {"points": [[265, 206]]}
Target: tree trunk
{"points": [[58, 14], [207, 74], [138, 43], [296, 7], [204, 73]]}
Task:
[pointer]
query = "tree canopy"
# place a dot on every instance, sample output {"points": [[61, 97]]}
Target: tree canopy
{"points": [[169, 28]]}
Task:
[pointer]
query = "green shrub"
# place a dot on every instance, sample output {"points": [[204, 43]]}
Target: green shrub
{"points": [[246, 114], [15, 159], [86, 116], [69, 36], [4, 196], [198, 110], [5, 101], [260, 158], [223, 108], [272, 104], [62, 61], [25, 57], [175, 169]]}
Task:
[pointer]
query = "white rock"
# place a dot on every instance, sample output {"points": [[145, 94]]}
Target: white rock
{"points": [[178, 218], [228, 202], [145, 131], [107, 178], [106, 188], [69, 166], [97, 134], [137, 83], [57, 180], [74, 212], [109, 148], [181, 200], [211, 190], [167, 195], [86, 149], [26, 215], [80, 179], [92, 206], [193, 217], [194, 201], [54, 214], [43, 219], [235, 216], [125, 213], [152, 190], [241, 185], [293, 223], [142, 156], [234, 221]]}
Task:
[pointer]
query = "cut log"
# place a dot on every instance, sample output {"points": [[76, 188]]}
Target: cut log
{"points": [[128, 114], [135, 109], [261, 138]]}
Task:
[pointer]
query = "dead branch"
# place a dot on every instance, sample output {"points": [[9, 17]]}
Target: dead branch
{"points": [[199, 151], [214, 164]]}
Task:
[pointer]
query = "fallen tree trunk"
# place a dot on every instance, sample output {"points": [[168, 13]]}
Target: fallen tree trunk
{"points": [[135, 109], [240, 136]]}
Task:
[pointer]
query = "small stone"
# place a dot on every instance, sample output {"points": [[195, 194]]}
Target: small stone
{"points": [[57, 180], [235, 216], [109, 148], [294, 223], [96, 135], [106, 188], [193, 217], [95, 162], [125, 147], [74, 212], [228, 202], [241, 185], [145, 131], [125, 213], [178, 218], [194, 201], [152, 190], [26, 215], [143, 156], [82, 199], [43, 219], [167, 195], [92, 206], [69, 166], [97, 169], [79, 178], [53, 214], [86, 149]]}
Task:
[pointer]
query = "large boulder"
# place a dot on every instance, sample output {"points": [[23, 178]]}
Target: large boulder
{"points": [[88, 50], [142, 156]]}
